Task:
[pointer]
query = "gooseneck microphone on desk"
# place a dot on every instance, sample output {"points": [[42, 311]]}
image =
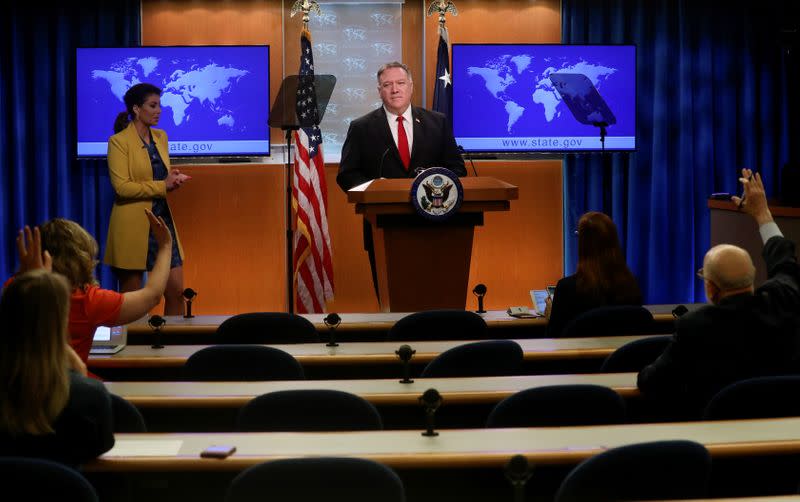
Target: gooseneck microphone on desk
{"points": [[332, 321], [405, 353], [188, 295], [518, 473], [480, 291], [431, 400], [156, 322]]}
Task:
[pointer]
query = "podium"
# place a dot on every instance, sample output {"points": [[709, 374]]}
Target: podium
{"points": [[424, 265], [731, 226]]}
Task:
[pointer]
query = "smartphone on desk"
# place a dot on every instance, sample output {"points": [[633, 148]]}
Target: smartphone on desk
{"points": [[218, 451]]}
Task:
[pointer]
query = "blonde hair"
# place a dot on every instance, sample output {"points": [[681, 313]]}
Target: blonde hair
{"points": [[34, 365], [73, 249]]}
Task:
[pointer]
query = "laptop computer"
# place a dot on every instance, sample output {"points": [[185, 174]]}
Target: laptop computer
{"points": [[109, 340]]}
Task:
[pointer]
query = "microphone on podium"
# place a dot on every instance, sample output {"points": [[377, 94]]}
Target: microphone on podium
{"points": [[463, 153], [380, 164]]}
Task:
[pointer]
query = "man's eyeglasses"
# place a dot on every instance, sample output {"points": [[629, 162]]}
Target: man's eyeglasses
{"points": [[700, 273]]}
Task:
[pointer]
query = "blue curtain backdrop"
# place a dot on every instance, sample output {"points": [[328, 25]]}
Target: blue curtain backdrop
{"points": [[41, 179], [711, 99]]}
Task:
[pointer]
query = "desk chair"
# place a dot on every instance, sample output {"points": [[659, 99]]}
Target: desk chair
{"points": [[762, 397], [559, 405], [635, 355], [326, 479], [643, 471], [439, 325], [39, 479], [315, 410], [610, 321], [487, 358], [266, 328], [127, 417], [241, 363]]}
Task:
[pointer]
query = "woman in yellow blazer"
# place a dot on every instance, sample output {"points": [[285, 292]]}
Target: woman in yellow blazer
{"points": [[138, 163]]}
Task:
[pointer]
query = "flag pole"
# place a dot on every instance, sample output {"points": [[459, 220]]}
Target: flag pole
{"points": [[442, 89], [304, 6]]}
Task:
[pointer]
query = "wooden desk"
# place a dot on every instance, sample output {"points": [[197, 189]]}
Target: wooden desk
{"points": [[362, 327], [452, 448], [355, 353], [352, 324], [478, 390]]}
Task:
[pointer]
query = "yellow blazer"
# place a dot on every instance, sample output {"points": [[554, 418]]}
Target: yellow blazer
{"points": [[132, 178]]}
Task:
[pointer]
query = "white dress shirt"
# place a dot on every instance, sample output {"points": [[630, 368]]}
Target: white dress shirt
{"points": [[409, 126]]}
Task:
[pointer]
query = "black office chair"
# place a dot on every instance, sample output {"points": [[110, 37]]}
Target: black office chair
{"points": [[39, 479], [317, 479], [439, 325], [241, 363], [761, 397], [308, 411], [559, 405], [266, 328], [127, 417], [635, 355], [611, 321], [487, 358], [644, 471]]}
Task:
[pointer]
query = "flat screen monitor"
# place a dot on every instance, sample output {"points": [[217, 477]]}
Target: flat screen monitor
{"points": [[544, 98], [214, 101]]}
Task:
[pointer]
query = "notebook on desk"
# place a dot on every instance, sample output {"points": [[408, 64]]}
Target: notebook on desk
{"points": [[109, 340]]}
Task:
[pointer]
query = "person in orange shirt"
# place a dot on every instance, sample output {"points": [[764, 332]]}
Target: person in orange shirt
{"points": [[68, 249]]}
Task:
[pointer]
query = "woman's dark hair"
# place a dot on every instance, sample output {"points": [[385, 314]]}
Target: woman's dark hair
{"points": [[602, 273], [136, 96]]}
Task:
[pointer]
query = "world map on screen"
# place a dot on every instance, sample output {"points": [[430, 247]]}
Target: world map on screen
{"points": [[214, 99], [192, 91], [506, 97], [523, 87]]}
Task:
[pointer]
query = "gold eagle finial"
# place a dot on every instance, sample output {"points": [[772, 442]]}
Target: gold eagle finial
{"points": [[305, 6], [442, 7]]}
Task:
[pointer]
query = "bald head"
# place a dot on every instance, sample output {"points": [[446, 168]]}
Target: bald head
{"points": [[730, 268]]}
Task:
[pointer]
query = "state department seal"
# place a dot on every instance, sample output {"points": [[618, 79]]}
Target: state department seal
{"points": [[437, 193]]}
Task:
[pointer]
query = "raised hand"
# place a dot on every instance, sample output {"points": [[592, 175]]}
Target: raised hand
{"points": [[160, 230], [754, 200], [29, 248]]}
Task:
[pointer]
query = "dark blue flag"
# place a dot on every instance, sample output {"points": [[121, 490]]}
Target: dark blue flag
{"points": [[443, 88]]}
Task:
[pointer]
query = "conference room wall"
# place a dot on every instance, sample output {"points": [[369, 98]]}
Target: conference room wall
{"points": [[231, 217]]}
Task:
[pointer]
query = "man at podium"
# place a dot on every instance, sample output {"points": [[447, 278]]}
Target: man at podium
{"points": [[397, 139]]}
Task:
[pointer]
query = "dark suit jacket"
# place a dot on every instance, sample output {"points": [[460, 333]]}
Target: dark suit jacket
{"points": [[83, 430], [568, 304], [369, 150], [743, 336]]}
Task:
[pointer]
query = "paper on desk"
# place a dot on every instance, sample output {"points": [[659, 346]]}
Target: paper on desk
{"points": [[145, 448], [361, 187]]}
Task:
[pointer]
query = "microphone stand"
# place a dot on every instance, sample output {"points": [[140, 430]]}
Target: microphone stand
{"points": [[405, 353], [464, 154]]}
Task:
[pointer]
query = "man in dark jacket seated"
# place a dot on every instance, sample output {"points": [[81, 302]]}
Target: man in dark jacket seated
{"points": [[744, 332]]}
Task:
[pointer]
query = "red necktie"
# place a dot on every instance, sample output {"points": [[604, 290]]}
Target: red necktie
{"points": [[402, 143]]}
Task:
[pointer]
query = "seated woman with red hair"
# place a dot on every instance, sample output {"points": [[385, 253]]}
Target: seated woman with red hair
{"points": [[67, 248], [602, 277]]}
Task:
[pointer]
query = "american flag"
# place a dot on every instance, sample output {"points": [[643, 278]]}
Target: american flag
{"points": [[313, 266], [443, 85]]}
